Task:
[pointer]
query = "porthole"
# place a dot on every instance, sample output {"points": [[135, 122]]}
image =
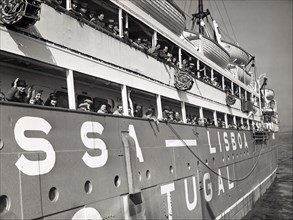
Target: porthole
{"points": [[53, 194], [148, 174], [117, 181], [88, 187], [4, 204]]}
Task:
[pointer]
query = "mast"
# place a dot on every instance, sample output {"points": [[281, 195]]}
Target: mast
{"points": [[198, 17]]}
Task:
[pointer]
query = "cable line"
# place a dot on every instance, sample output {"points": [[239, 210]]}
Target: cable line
{"points": [[231, 180], [230, 21], [221, 17]]}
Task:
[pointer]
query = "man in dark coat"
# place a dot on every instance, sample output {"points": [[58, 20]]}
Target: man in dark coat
{"points": [[17, 92]]}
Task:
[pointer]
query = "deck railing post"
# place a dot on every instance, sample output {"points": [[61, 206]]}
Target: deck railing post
{"points": [[70, 89], [234, 120]]}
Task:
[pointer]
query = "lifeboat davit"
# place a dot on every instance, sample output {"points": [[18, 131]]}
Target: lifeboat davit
{"points": [[164, 11], [243, 75], [238, 55]]}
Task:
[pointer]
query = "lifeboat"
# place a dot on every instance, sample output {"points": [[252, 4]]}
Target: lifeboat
{"points": [[164, 11], [238, 55], [210, 48]]}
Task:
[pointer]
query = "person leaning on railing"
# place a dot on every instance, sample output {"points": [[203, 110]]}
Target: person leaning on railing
{"points": [[163, 53]]}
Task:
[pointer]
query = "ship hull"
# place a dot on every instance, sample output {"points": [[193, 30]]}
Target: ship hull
{"points": [[64, 164]]}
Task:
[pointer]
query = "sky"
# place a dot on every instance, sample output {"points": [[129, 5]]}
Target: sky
{"points": [[264, 29]]}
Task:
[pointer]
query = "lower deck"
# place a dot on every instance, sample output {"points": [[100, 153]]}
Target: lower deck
{"points": [[63, 164]]}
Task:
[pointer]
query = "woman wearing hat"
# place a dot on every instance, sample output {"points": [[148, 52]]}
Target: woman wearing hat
{"points": [[17, 92], [85, 105]]}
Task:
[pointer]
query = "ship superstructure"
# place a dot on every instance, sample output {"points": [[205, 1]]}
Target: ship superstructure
{"points": [[64, 163]]}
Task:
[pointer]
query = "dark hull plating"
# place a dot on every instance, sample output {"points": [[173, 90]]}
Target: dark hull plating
{"points": [[71, 165]]}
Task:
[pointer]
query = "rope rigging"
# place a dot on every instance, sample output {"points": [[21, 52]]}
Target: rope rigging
{"points": [[222, 18], [231, 180], [230, 21]]}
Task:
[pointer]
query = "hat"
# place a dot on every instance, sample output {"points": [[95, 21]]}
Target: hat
{"points": [[167, 108], [52, 95], [111, 21], [82, 105], [21, 83], [88, 101], [191, 64]]}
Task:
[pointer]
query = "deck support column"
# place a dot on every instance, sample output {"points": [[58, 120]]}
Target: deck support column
{"points": [[70, 89], [248, 126], [120, 20], [241, 121], [126, 21], [159, 107], [245, 95], [232, 88], [223, 83], [215, 118], [253, 124], [226, 120], [154, 39], [180, 57], [68, 5], [201, 112], [239, 89], [183, 110], [212, 74], [124, 99], [259, 104], [234, 120], [198, 68]]}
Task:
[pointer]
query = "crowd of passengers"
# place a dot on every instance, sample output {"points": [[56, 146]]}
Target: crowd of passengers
{"points": [[17, 93], [160, 52]]}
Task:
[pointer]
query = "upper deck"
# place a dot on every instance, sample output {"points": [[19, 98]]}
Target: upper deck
{"points": [[97, 52]]}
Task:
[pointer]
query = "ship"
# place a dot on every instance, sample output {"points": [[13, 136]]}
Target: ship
{"points": [[149, 120]]}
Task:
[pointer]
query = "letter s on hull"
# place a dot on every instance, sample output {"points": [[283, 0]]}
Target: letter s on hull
{"points": [[93, 143], [87, 214], [28, 167]]}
